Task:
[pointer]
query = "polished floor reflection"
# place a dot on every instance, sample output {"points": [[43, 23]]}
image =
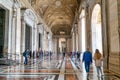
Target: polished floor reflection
{"points": [[55, 68]]}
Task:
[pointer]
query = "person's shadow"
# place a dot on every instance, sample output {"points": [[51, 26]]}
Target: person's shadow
{"points": [[87, 78], [100, 78]]}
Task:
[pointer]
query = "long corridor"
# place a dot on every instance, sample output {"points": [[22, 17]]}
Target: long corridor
{"points": [[54, 68]]}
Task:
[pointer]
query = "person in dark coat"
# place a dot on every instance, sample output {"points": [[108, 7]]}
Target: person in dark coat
{"points": [[33, 54], [63, 55], [26, 55], [30, 53], [78, 55]]}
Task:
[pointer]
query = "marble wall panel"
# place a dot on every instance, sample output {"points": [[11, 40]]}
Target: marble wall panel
{"points": [[114, 45], [114, 62]]}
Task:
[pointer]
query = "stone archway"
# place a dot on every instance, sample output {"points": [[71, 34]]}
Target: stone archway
{"points": [[96, 28], [29, 30]]}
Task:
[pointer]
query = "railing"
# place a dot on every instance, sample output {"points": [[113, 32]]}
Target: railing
{"points": [[13, 59], [9, 58]]}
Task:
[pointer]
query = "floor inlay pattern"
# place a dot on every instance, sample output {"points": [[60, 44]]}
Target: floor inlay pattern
{"points": [[51, 69]]}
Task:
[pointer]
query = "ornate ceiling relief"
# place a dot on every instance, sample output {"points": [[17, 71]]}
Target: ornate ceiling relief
{"points": [[57, 14]]}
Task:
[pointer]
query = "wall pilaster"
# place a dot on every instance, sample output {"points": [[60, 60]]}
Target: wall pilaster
{"points": [[22, 30]]}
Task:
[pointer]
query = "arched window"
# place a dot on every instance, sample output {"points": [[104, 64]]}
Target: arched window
{"points": [[96, 28]]}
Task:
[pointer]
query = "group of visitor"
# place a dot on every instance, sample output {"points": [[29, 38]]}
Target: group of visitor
{"points": [[87, 59], [28, 54]]}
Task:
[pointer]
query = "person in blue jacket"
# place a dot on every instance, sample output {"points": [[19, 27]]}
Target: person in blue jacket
{"points": [[87, 59], [26, 54], [40, 54]]}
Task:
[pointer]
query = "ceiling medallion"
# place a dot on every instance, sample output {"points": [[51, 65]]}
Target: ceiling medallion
{"points": [[58, 3]]}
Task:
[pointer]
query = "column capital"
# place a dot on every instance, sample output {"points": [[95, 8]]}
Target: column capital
{"points": [[23, 9]]}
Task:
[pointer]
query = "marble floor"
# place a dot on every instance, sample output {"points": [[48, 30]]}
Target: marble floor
{"points": [[55, 68]]}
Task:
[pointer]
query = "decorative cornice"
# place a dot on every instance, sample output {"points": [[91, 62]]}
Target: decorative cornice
{"points": [[61, 36]]}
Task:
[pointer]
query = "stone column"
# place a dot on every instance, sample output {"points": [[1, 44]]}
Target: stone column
{"points": [[13, 31], [57, 45], [104, 33], [50, 42], [79, 36], [34, 37], [66, 44], [76, 32], [88, 27], [22, 31], [23, 25], [119, 31], [113, 35], [44, 42], [74, 41]]}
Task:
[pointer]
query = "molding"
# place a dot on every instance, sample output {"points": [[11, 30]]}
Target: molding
{"points": [[61, 36], [6, 4]]}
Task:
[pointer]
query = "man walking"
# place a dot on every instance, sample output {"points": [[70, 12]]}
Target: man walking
{"points": [[87, 59]]}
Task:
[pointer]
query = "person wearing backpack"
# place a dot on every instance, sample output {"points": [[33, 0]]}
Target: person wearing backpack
{"points": [[26, 54]]}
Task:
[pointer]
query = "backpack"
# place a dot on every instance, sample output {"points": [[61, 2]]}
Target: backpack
{"points": [[24, 53]]}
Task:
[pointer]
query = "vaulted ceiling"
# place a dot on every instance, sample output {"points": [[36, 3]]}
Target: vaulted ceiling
{"points": [[57, 14]]}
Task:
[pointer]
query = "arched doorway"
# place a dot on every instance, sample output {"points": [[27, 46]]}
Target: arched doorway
{"points": [[2, 30], [4, 15], [62, 45], [29, 38], [96, 28], [28, 33], [39, 41]]}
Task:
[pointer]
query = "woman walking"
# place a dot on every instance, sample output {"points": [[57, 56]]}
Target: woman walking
{"points": [[98, 62]]}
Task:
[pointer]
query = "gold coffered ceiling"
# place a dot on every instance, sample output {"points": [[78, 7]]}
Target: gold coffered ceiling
{"points": [[57, 14]]}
